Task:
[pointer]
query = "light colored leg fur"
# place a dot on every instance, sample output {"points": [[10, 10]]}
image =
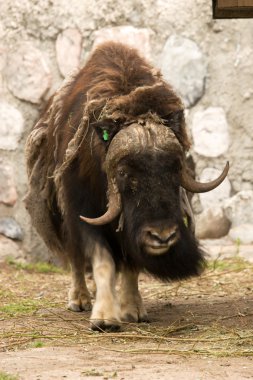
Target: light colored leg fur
{"points": [[106, 311], [79, 297], [132, 308]]}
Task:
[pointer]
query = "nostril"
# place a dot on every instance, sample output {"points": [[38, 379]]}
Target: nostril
{"points": [[172, 236], [154, 235], [163, 236]]}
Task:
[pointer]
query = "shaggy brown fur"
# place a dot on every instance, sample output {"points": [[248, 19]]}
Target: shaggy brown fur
{"points": [[115, 86]]}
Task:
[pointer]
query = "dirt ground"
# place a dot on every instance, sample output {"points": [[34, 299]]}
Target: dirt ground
{"points": [[201, 329]]}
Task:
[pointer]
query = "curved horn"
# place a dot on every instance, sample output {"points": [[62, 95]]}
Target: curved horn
{"points": [[188, 183], [117, 149], [114, 206]]}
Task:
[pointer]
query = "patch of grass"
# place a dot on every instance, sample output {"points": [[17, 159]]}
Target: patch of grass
{"points": [[6, 376], [234, 264], [19, 308], [238, 244], [37, 344], [39, 267]]}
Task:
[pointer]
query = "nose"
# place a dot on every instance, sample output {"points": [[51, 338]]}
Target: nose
{"points": [[157, 241], [163, 236]]}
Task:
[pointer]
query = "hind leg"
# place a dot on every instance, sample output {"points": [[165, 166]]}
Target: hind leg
{"points": [[78, 297]]}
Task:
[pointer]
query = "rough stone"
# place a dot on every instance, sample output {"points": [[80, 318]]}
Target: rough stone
{"points": [[27, 73], [184, 66], [217, 27], [10, 228], [218, 195], [212, 224], [2, 65], [9, 249], [68, 50], [11, 126], [210, 132], [246, 252], [239, 208], [8, 192], [139, 38], [225, 248], [242, 233], [2, 57]]}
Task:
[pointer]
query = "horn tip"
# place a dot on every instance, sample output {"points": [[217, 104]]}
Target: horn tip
{"points": [[227, 167], [94, 222], [83, 218]]}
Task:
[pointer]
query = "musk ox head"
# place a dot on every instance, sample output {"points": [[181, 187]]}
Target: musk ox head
{"points": [[147, 174]]}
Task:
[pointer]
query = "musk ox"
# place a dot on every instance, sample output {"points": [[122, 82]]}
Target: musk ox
{"points": [[111, 146]]}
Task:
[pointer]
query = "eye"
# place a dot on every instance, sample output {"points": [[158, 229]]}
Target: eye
{"points": [[122, 173]]}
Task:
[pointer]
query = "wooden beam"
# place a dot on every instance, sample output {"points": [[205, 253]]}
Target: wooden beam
{"points": [[227, 3], [245, 3], [234, 3], [232, 9]]}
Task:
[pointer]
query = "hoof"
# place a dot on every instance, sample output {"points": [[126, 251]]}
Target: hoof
{"points": [[77, 307], [103, 326], [144, 319], [135, 318], [129, 318]]}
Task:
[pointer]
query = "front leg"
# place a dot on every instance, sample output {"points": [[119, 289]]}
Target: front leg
{"points": [[106, 311], [132, 308]]}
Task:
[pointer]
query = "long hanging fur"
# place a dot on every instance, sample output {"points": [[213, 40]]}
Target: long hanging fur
{"points": [[115, 84]]}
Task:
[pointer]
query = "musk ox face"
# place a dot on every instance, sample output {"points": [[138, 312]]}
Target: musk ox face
{"points": [[149, 186], [154, 235]]}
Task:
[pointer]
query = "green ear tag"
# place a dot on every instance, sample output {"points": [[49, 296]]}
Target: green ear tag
{"points": [[105, 135], [185, 219]]}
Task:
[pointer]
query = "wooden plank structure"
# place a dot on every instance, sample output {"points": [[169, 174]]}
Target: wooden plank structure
{"points": [[232, 8]]}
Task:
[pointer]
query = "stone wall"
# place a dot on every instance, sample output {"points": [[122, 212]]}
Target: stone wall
{"points": [[209, 62]]}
